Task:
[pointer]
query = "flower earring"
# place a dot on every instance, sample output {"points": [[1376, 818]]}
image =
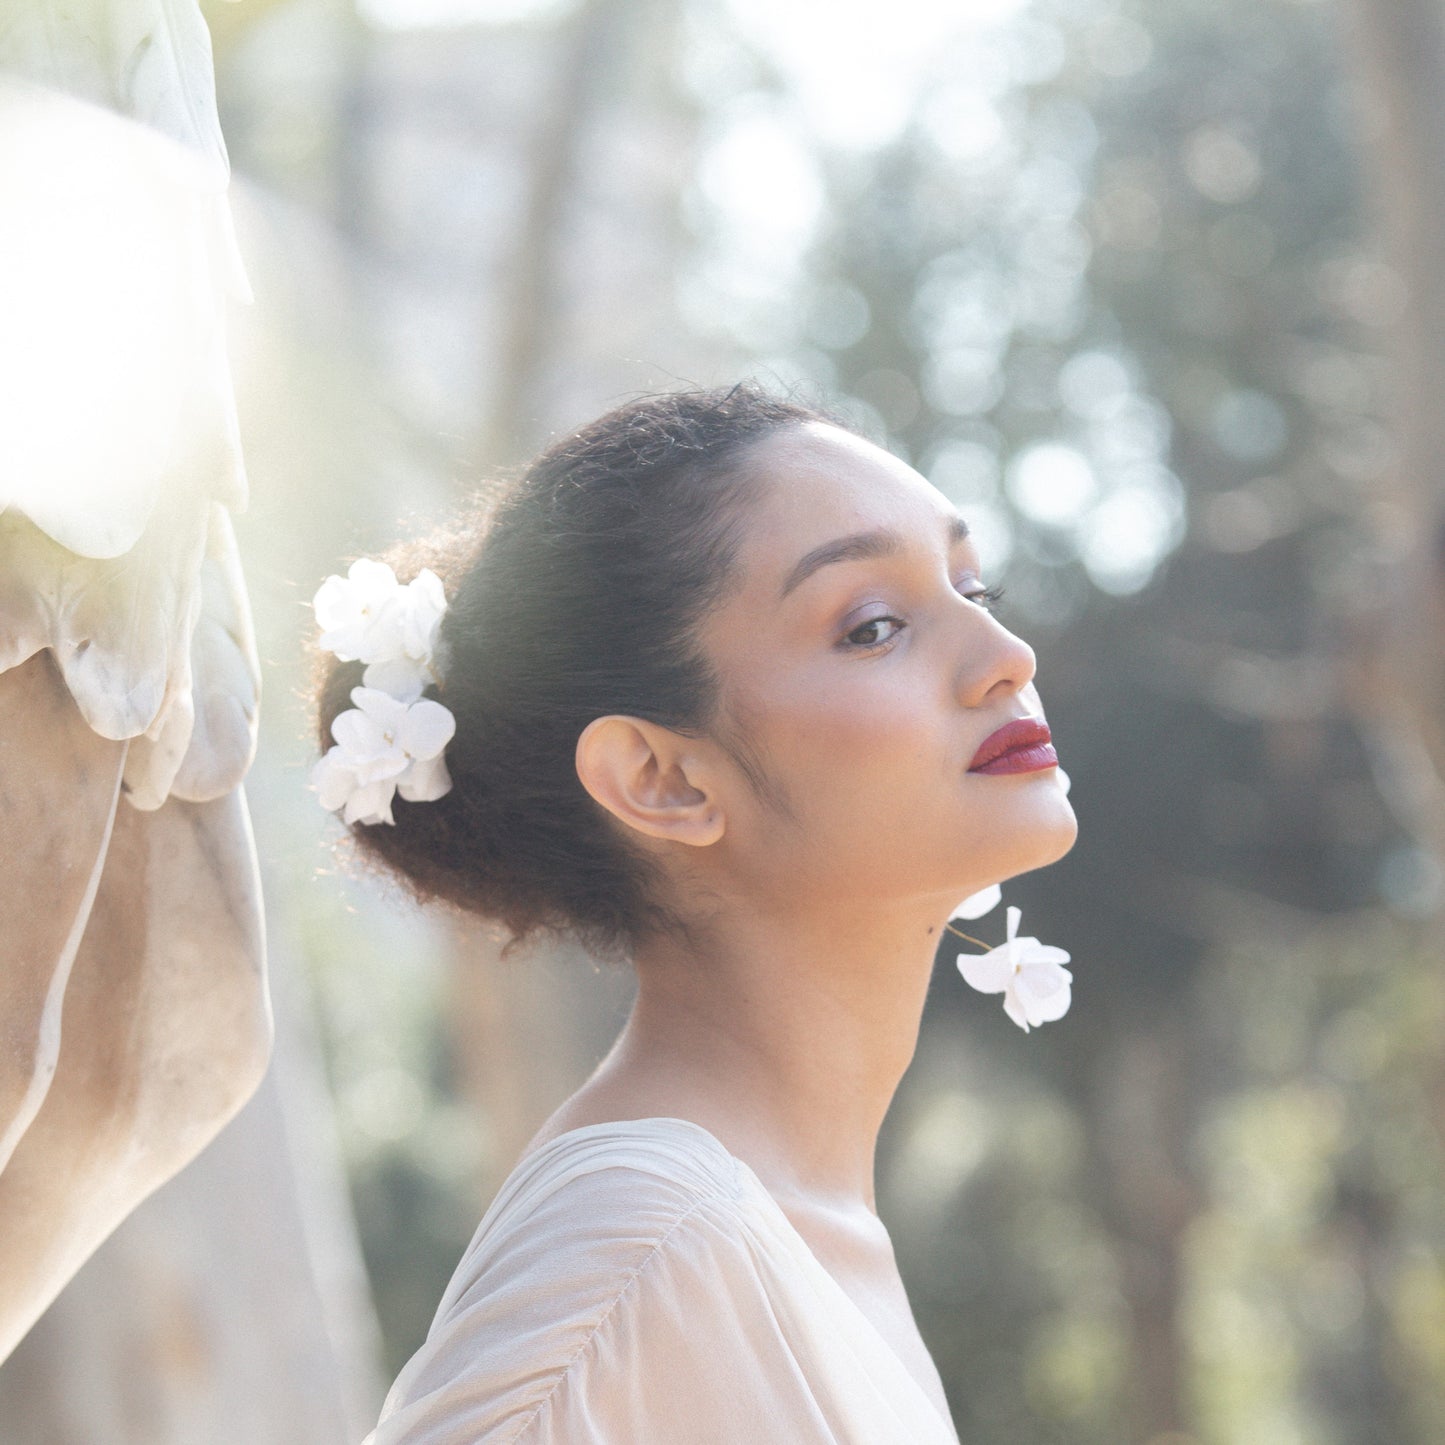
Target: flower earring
{"points": [[1036, 987]]}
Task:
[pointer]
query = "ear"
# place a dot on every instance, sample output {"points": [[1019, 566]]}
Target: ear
{"points": [[652, 779]]}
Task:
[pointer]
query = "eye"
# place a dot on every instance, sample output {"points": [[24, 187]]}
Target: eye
{"points": [[876, 631], [986, 597]]}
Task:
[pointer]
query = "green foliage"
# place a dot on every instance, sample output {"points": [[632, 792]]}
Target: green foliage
{"points": [[1315, 1310], [1011, 1275]]}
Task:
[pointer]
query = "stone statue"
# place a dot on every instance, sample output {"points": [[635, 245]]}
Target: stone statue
{"points": [[134, 1018]]}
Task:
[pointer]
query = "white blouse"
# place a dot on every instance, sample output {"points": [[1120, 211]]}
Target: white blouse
{"points": [[634, 1282]]}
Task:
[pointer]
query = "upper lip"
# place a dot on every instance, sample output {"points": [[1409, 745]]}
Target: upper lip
{"points": [[1022, 732]]}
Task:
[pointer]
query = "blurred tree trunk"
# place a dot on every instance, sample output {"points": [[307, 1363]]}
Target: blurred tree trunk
{"points": [[513, 1044], [1141, 1119], [526, 1031], [589, 50], [1398, 53], [1398, 50]]}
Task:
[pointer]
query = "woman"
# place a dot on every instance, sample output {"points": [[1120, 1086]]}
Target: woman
{"points": [[727, 699]]}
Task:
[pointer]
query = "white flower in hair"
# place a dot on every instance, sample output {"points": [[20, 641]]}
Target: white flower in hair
{"points": [[383, 747], [1036, 988], [391, 742], [368, 616], [424, 602], [359, 614]]}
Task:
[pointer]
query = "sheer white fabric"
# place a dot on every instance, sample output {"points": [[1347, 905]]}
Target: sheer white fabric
{"points": [[634, 1282]]}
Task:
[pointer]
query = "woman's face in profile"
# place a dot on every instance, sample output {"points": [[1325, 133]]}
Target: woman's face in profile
{"points": [[860, 662]]}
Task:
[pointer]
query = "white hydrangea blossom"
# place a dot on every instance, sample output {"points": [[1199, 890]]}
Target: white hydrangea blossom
{"points": [[392, 741]]}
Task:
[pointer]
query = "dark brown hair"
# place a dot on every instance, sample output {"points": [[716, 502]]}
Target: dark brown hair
{"points": [[575, 594]]}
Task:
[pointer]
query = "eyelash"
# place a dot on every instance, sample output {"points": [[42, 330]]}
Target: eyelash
{"points": [[986, 597]]}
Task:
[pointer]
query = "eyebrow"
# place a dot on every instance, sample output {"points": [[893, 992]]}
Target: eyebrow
{"points": [[859, 547]]}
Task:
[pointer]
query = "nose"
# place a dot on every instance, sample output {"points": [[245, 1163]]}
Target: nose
{"points": [[993, 663]]}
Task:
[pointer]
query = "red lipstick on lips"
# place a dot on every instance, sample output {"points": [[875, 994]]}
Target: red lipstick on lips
{"points": [[1022, 746]]}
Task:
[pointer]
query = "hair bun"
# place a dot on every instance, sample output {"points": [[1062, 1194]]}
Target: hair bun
{"points": [[576, 593]]}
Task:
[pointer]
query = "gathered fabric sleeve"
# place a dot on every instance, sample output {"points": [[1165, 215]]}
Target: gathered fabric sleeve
{"points": [[626, 1306]]}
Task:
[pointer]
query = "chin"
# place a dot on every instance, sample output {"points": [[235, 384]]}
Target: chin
{"points": [[1059, 827], [1042, 837], [1062, 837]]}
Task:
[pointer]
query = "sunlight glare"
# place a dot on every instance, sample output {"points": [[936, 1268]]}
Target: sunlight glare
{"points": [[762, 180], [97, 288], [419, 14], [856, 70]]}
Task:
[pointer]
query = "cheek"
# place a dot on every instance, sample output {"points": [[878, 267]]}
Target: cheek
{"points": [[843, 731]]}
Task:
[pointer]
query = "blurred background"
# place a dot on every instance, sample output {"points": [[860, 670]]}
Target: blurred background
{"points": [[1154, 292]]}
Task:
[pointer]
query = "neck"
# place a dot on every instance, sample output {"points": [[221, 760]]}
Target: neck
{"points": [[787, 1041]]}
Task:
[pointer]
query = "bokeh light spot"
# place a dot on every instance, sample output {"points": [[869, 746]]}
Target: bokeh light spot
{"points": [[1221, 165], [1052, 483], [1131, 531], [1249, 426]]}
